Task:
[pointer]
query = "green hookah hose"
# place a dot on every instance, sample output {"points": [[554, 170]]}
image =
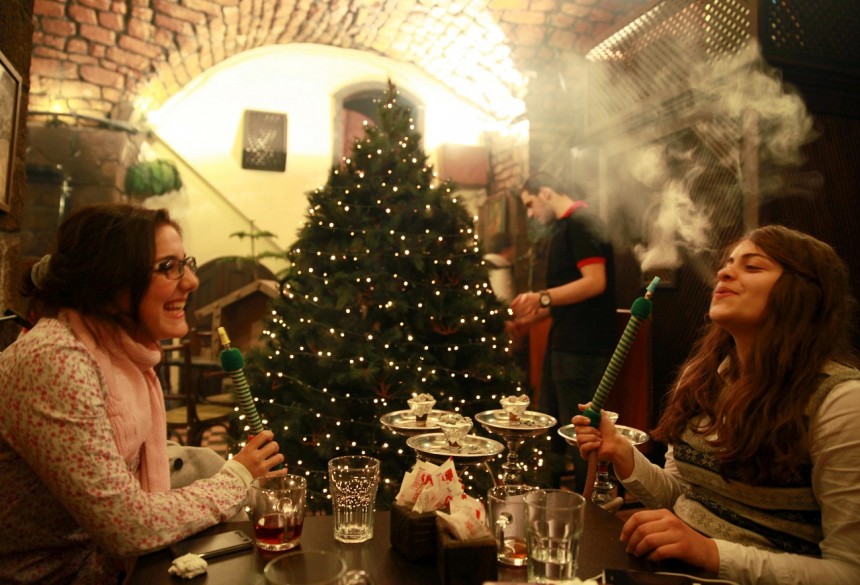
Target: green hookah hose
{"points": [[639, 311], [233, 363]]}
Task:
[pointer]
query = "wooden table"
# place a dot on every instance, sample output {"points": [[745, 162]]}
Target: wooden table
{"points": [[599, 549]]}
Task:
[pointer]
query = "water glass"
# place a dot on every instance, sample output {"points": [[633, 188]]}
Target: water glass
{"points": [[506, 510], [276, 506], [312, 567], [353, 480], [555, 520]]}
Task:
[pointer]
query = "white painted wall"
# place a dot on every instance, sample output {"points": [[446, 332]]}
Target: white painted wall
{"points": [[202, 125]]}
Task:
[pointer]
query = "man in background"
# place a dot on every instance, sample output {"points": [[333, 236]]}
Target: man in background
{"points": [[579, 298]]}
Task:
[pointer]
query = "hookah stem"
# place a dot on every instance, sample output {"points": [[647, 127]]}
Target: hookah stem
{"points": [[232, 362], [639, 311]]}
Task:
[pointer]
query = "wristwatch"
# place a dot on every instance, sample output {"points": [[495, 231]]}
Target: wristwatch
{"points": [[545, 299]]}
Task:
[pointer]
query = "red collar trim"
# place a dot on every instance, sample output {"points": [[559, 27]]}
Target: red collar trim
{"points": [[576, 205]]}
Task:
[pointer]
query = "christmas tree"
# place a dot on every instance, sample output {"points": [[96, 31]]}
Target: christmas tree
{"points": [[386, 296]]}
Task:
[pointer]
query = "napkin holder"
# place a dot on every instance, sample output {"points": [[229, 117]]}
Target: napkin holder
{"points": [[465, 562], [413, 534]]}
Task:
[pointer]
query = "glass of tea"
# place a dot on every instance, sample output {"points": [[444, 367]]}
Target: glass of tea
{"points": [[506, 511], [276, 506]]}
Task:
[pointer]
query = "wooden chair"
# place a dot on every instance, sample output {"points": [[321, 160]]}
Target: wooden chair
{"points": [[221, 398], [209, 371], [193, 415]]}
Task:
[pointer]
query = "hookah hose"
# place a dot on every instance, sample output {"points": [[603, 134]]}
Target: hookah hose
{"points": [[639, 311], [233, 363]]}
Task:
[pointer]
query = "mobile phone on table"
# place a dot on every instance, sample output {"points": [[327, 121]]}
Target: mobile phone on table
{"points": [[213, 546]]}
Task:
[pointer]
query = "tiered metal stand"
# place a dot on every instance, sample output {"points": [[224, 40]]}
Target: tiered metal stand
{"points": [[434, 447], [404, 422], [515, 431]]}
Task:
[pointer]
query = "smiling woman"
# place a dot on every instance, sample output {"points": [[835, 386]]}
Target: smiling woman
{"points": [[83, 431], [761, 426], [740, 300], [162, 309]]}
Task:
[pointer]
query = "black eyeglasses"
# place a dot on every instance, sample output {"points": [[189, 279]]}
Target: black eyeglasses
{"points": [[175, 269]]}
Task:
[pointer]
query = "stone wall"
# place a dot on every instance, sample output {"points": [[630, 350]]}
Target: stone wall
{"points": [[63, 160], [98, 56], [16, 43]]}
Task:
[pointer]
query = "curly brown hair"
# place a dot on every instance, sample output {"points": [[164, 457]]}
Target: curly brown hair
{"points": [[807, 324]]}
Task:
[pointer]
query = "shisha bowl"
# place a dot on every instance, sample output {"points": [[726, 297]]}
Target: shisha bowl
{"points": [[455, 427], [421, 405], [529, 423], [515, 406]]}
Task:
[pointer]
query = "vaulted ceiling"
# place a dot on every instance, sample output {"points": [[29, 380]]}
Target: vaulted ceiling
{"points": [[116, 58]]}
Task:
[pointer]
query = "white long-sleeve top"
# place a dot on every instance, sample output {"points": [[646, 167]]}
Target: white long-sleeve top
{"points": [[835, 454]]}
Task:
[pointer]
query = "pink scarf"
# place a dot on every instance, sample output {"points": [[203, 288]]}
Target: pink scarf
{"points": [[135, 401]]}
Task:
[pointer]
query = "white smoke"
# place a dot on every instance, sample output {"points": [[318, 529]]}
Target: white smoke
{"points": [[745, 87], [739, 106], [677, 224]]}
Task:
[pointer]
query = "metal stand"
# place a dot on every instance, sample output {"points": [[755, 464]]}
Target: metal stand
{"points": [[515, 432]]}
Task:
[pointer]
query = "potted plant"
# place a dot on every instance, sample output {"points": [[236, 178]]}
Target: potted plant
{"points": [[152, 177]]}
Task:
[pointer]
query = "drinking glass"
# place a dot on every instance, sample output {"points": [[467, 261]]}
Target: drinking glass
{"points": [[554, 525], [276, 506], [507, 515], [353, 480], [312, 567]]}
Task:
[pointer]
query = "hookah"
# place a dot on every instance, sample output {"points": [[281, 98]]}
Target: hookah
{"points": [[639, 311], [233, 363], [515, 425]]}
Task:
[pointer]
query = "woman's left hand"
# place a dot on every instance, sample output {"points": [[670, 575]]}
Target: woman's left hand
{"points": [[260, 454], [660, 535]]}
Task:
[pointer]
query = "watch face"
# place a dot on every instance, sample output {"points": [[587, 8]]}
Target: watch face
{"points": [[545, 300]]}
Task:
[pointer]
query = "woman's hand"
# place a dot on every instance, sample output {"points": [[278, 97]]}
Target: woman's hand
{"points": [[660, 535], [260, 455], [609, 445]]}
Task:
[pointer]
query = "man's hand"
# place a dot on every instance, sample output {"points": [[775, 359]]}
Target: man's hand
{"points": [[525, 305]]}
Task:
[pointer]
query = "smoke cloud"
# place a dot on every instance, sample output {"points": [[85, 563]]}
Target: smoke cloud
{"points": [[717, 144]]}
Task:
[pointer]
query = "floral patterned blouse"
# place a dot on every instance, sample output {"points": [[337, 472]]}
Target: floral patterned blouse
{"points": [[73, 510]]}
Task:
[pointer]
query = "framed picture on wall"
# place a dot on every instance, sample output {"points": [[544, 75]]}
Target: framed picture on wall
{"points": [[10, 103], [264, 146]]}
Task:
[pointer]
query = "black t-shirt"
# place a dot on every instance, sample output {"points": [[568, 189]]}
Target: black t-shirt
{"points": [[587, 327]]}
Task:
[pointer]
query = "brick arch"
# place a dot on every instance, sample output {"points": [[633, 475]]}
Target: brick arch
{"points": [[107, 57]]}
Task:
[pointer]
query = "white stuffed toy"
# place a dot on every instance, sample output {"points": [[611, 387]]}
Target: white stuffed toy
{"points": [[188, 464]]}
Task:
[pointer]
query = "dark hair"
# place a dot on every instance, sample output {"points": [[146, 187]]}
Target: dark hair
{"points": [[808, 320], [542, 179], [101, 251]]}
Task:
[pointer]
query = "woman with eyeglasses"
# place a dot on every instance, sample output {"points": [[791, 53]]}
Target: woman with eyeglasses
{"points": [[85, 480], [762, 476]]}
